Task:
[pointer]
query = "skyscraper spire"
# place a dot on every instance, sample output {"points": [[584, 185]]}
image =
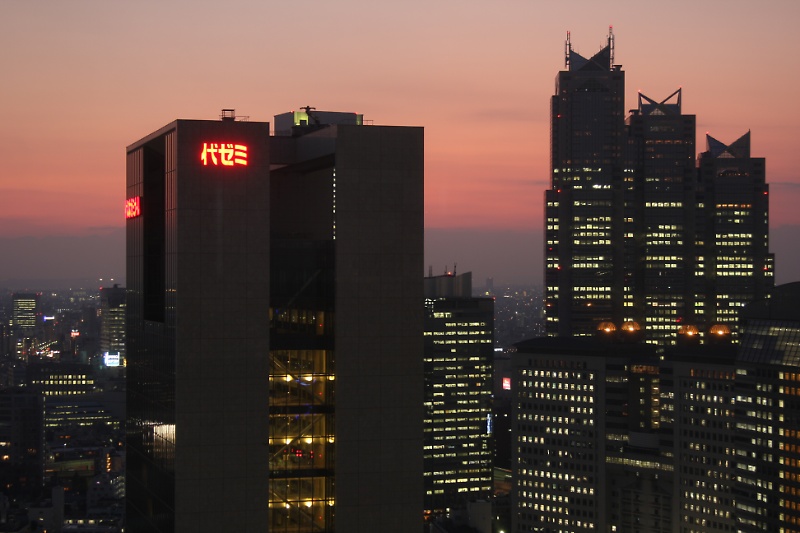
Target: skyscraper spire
{"points": [[602, 60], [567, 52], [611, 47]]}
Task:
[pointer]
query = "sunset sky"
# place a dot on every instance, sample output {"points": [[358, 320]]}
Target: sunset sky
{"points": [[83, 79]]}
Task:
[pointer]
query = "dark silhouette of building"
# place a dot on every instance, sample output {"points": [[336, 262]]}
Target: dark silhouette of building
{"points": [[274, 326], [584, 280], [55, 379], [767, 412], [663, 269], [459, 355], [346, 324], [636, 230], [738, 266], [22, 449]]}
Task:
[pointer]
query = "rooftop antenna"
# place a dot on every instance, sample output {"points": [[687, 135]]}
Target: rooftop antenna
{"points": [[308, 110], [454, 268], [430, 271], [611, 47], [567, 51]]}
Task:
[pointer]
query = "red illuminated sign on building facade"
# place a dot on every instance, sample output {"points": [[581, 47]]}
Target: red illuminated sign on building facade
{"points": [[506, 383], [224, 154], [133, 207]]}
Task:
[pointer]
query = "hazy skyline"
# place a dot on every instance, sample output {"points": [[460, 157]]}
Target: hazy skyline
{"points": [[85, 79]]}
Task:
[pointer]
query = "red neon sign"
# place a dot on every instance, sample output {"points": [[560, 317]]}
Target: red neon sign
{"points": [[224, 154], [133, 207]]}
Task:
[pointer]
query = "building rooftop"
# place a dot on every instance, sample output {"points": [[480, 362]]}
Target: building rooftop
{"points": [[781, 304], [614, 346]]}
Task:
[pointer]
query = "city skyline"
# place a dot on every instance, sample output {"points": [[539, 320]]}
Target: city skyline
{"points": [[477, 77]]}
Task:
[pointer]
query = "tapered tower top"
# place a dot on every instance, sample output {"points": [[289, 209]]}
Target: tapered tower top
{"points": [[602, 60], [740, 148]]}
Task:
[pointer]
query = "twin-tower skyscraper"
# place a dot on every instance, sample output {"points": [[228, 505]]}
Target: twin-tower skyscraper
{"points": [[639, 233]]}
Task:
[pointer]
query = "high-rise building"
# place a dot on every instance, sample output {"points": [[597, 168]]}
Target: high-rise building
{"points": [[71, 395], [612, 435], [197, 213], [112, 320], [274, 324], [738, 265], [23, 323], [22, 441], [346, 324], [767, 410], [636, 229], [699, 386], [26, 309], [60, 379], [458, 393], [584, 278], [5, 338], [662, 275], [585, 429]]}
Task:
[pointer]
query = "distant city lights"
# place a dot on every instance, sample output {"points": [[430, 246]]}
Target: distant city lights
{"points": [[111, 359]]}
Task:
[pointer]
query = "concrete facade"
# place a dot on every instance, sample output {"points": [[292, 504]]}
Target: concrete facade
{"points": [[275, 328]]}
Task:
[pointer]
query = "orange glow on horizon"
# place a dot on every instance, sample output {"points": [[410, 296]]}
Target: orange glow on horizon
{"points": [[83, 83]]}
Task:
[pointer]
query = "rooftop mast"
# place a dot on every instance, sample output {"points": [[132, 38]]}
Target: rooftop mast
{"points": [[611, 47], [567, 52]]}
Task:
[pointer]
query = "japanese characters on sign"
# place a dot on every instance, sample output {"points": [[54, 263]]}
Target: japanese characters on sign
{"points": [[133, 207], [224, 154]]}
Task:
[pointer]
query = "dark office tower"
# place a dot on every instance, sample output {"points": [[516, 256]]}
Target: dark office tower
{"points": [[661, 291], [458, 391], [22, 446], [275, 327], [5, 339], [738, 265], [704, 396], [584, 274], [768, 414], [112, 320], [197, 214], [346, 319]]}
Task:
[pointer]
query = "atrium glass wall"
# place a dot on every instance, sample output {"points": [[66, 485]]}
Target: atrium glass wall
{"points": [[302, 386]]}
